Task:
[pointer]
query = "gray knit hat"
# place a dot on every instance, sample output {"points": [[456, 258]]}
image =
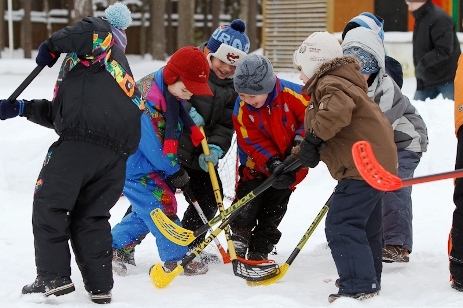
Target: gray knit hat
{"points": [[254, 75]]}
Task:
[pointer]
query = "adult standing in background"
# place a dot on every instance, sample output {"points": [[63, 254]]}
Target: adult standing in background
{"points": [[435, 50]]}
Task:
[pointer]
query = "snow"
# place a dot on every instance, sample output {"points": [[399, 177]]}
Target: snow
{"points": [[424, 281]]}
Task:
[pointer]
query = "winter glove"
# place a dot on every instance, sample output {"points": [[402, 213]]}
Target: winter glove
{"points": [[45, 56], [197, 118], [308, 154], [179, 178], [11, 109], [215, 153], [276, 167]]}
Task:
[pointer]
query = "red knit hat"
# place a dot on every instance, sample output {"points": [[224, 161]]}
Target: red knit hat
{"points": [[191, 66]]}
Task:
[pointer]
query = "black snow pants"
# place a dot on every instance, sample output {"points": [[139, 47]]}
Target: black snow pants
{"points": [[456, 234], [78, 185]]}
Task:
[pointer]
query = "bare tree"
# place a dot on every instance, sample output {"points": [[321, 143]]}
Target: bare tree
{"points": [[26, 29], [2, 27], [82, 9], [144, 12], [157, 34], [186, 23], [251, 25], [111, 2], [217, 8]]}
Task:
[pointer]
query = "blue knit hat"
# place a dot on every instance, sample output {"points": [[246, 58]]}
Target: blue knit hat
{"points": [[118, 15], [232, 35], [367, 20], [369, 63]]}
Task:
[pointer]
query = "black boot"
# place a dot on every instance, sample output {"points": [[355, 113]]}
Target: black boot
{"points": [[50, 286], [101, 298]]}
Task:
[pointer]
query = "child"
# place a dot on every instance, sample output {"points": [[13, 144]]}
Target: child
{"points": [[84, 171], [268, 120], [456, 234], [410, 136], [154, 172], [340, 113], [224, 49], [376, 24]]}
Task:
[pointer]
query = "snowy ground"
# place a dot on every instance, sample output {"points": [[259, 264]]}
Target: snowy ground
{"points": [[310, 279]]}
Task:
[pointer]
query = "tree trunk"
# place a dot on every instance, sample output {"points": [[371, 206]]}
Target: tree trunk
{"points": [[82, 9], [157, 30], [170, 33], [217, 9], [186, 23], [2, 27], [143, 11], [251, 25], [26, 29]]}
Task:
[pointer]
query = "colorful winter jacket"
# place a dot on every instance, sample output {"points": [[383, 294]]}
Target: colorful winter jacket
{"points": [[217, 114], [341, 113], [269, 131], [459, 96], [149, 156], [410, 132], [435, 46], [89, 103]]}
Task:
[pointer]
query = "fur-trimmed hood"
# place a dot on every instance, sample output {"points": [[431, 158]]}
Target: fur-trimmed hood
{"points": [[347, 67]]}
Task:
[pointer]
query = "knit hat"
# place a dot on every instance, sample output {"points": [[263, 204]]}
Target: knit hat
{"points": [[369, 62], [232, 35], [189, 64], [254, 75], [119, 18], [367, 20], [317, 48]]}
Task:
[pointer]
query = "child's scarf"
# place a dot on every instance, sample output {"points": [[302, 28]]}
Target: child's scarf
{"points": [[172, 109]]}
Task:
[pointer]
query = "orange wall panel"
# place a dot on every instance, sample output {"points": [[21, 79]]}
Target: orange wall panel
{"points": [[341, 11]]}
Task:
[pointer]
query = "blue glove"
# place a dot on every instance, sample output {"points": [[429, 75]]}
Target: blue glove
{"points": [[11, 109], [215, 153], [197, 118], [45, 56]]}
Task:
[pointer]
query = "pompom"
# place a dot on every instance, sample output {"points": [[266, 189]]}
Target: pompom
{"points": [[119, 15], [238, 25]]}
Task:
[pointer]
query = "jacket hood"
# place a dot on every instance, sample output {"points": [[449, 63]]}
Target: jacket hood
{"points": [[345, 67]]}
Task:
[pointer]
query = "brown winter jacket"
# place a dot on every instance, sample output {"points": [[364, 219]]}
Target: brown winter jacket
{"points": [[341, 113]]}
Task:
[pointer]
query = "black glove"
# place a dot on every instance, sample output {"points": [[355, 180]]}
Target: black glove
{"points": [[45, 56], [179, 178], [276, 167], [308, 154], [10, 109]]}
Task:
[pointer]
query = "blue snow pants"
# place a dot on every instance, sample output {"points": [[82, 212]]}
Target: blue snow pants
{"points": [[397, 205], [145, 195], [353, 230]]}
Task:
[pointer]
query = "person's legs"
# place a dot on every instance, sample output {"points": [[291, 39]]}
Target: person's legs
{"points": [[145, 195], [201, 186], [397, 205], [456, 233], [422, 95], [271, 211], [90, 229], [346, 223], [447, 90]]}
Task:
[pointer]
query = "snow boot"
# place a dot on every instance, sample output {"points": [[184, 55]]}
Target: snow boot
{"points": [[395, 253], [118, 263], [358, 296], [101, 298], [52, 286]]}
